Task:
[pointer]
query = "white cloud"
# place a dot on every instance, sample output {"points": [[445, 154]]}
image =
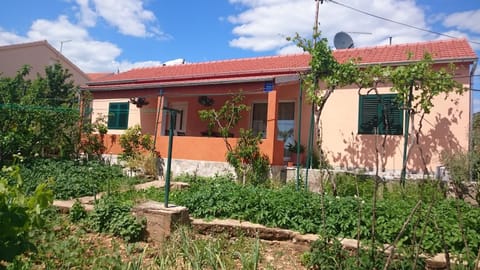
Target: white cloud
{"points": [[89, 54], [86, 16], [263, 24], [467, 20], [7, 38], [128, 16]]}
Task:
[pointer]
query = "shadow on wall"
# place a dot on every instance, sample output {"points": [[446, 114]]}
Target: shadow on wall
{"points": [[433, 141], [111, 142], [360, 151], [434, 138]]}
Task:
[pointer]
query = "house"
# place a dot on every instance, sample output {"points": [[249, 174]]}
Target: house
{"points": [[37, 55], [271, 87]]}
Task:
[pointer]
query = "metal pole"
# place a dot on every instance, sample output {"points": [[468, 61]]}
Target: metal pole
{"points": [[157, 116], [310, 144], [300, 103], [405, 137], [173, 114]]}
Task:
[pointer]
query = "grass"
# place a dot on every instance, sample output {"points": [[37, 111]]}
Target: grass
{"points": [[69, 246]]}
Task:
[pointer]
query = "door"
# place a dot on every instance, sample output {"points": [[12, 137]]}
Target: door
{"points": [[181, 117]]}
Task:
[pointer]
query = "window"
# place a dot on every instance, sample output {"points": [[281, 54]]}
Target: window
{"points": [[286, 125], [380, 114], [118, 115], [259, 119]]}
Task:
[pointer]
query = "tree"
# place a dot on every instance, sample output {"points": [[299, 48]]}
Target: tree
{"points": [[250, 164], [225, 118], [39, 117], [325, 75]]}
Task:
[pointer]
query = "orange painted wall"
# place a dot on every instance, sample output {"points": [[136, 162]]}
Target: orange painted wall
{"points": [[193, 146]]}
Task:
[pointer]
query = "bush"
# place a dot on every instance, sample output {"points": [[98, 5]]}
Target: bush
{"points": [[77, 212], [112, 216], [19, 213]]}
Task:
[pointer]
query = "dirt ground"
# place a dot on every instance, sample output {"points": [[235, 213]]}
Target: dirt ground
{"points": [[273, 254]]}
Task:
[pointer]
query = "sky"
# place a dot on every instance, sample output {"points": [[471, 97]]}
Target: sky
{"points": [[117, 35]]}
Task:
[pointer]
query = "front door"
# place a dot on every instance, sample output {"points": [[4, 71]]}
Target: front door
{"points": [[181, 118]]}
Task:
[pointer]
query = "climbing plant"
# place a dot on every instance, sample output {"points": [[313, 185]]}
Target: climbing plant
{"points": [[325, 75], [417, 84]]}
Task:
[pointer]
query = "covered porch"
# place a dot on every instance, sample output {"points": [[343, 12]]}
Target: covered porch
{"points": [[274, 110]]}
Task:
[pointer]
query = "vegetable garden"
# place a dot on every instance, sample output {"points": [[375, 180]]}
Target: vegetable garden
{"points": [[435, 224]]}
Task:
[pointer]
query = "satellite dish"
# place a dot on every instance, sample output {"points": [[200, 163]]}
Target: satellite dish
{"points": [[343, 41]]}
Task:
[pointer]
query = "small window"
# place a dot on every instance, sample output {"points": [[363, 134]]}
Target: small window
{"points": [[118, 115], [380, 114]]}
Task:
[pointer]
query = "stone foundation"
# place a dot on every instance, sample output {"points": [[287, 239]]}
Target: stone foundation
{"points": [[161, 221]]}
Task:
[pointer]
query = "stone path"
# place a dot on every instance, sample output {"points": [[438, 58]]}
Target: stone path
{"points": [[88, 201]]}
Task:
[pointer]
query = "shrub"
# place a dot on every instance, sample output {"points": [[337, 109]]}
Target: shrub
{"points": [[77, 212], [112, 216], [19, 213], [133, 141]]}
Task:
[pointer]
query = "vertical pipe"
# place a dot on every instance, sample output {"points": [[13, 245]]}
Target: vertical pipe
{"points": [[405, 136], [300, 105], [311, 134], [157, 116], [169, 157]]}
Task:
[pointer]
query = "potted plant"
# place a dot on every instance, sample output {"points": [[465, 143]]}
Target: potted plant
{"points": [[293, 149]]}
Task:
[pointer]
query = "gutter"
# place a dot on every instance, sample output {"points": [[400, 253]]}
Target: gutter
{"points": [[406, 62], [203, 76], [470, 115], [167, 85]]}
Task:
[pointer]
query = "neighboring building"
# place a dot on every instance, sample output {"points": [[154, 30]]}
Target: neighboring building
{"points": [[37, 55], [271, 87]]}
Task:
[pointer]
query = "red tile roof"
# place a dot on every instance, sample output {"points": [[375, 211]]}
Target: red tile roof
{"points": [[452, 50], [99, 75]]}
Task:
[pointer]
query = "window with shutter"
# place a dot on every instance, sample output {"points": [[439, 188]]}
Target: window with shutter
{"points": [[380, 114], [118, 115]]}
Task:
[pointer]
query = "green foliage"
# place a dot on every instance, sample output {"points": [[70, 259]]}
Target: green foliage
{"points": [[92, 143], [73, 179], [77, 212], [424, 79], [133, 142], [113, 216], [19, 213], [70, 247], [39, 117], [249, 163], [329, 254], [300, 210]]}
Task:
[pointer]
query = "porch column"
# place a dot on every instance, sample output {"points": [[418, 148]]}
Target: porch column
{"points": [[159, 119], [272, 126]]}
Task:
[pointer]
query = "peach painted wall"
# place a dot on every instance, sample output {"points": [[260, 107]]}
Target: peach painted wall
{"points": [[445, 128]]}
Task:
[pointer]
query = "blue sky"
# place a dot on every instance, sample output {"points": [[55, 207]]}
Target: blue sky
{"points": [[111, 35]]}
